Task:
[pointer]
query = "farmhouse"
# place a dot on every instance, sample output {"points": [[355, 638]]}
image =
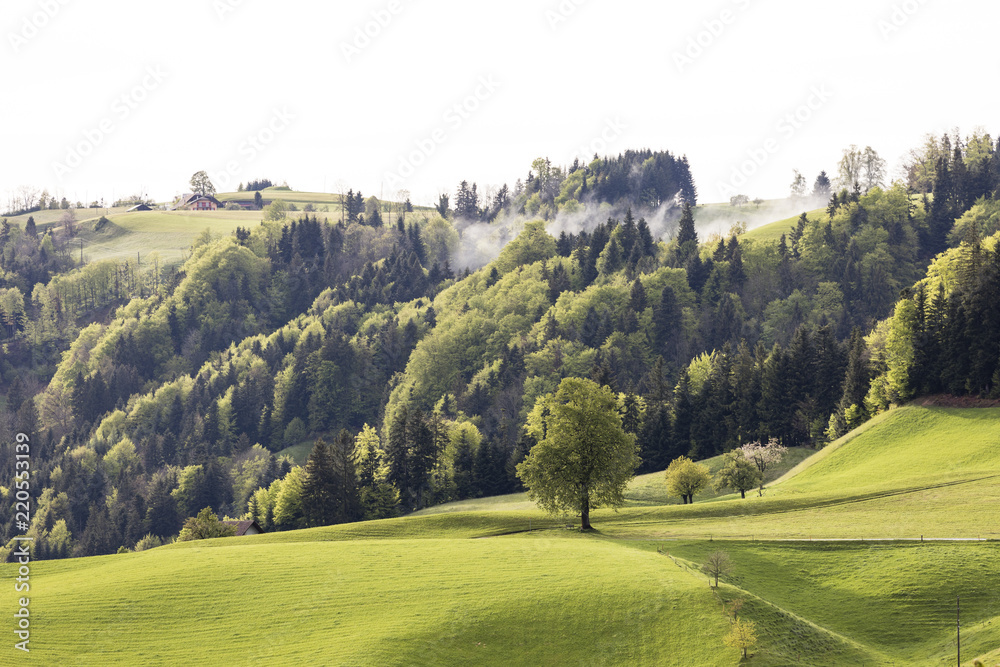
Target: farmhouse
{"points": [[197, 202], [140, 207], [245, 527]]}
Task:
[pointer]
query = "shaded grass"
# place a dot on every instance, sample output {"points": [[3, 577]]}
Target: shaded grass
{"points": [[899, 598], [426, 602]]}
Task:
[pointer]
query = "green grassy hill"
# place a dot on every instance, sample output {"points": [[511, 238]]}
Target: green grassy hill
{"points": [[300, 199], [170, 234], [908, 447], [470, 584], [541, 600], [767, 221], [773, 230]]}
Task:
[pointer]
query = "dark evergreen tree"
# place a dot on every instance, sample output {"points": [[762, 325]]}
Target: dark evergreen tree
{"points": [[687, 237], [637, 298], [822, 186]]}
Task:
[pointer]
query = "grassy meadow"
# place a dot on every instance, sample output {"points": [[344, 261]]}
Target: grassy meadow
{"points": [[772, 231], [495, 581], [169, 234]]}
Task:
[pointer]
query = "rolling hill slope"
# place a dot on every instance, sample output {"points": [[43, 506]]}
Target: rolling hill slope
{"points": [[397, 602], [422, 590]]}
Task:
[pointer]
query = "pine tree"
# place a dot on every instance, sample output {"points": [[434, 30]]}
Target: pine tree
{"points": [[318, 487], [687, 236], [822, 186], [558, 283], [720, 251], [645, 238]]}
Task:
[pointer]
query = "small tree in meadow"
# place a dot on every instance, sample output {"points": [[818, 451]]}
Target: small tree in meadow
{"points": [[685, 478], [737, 473], [764, 457], [742, 635], [718, 564]]}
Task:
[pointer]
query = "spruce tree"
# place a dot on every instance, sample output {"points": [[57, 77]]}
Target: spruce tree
{"points": [[822, 186], [318, 501], [687, 236]]}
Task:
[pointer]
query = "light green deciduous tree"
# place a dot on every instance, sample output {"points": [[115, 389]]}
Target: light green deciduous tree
{"points": [[583, 458], [685, 478], [737, 473]]}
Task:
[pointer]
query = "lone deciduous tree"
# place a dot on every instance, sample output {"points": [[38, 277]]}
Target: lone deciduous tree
{"points": [[764, 457], [583, 458], [201, 184], [742, 635], [737, 473], [718, 564], [685, 478]]}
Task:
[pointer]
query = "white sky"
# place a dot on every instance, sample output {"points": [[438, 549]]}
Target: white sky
{"points": [[894, 71]]}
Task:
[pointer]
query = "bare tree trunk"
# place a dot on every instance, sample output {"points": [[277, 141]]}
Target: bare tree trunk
{"points": [[585, 509]]}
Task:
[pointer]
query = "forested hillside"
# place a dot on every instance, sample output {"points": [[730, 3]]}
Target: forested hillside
{"points": [[409, 371]]}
